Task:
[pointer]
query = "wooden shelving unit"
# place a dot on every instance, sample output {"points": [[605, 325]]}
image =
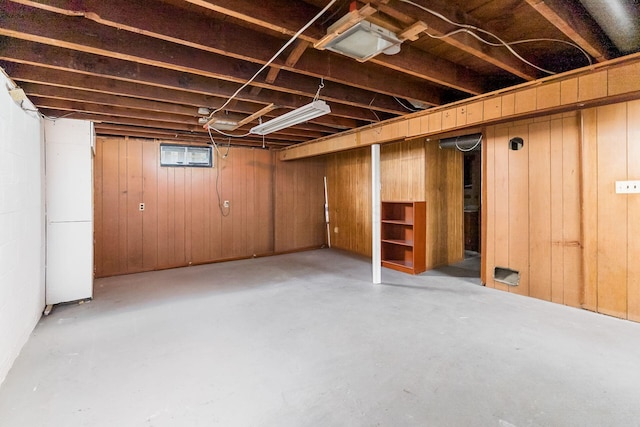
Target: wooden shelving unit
{"points": [[403, 236]]}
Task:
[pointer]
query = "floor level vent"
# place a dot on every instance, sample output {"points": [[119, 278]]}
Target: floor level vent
{"points": [[506, 276]]}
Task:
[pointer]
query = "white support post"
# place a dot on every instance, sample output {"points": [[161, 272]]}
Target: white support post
{"points": [[376, 256]]}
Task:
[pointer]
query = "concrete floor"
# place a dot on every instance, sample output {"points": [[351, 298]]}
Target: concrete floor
{"points": [[305, 340]]}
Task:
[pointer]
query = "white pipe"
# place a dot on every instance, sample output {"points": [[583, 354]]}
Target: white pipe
{"points": [[376, 255], [326, 212]]}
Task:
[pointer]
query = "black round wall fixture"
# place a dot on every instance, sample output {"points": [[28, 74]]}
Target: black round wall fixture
{"points": [[516, 143]]}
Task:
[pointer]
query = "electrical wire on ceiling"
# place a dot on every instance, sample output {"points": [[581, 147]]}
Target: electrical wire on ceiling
{"points": [[44, 116], [469, 29], [336, 12], [413, 110], [291, 40], [228, 135], [371, 109]]}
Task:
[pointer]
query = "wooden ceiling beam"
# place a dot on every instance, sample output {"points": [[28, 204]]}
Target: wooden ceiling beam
{"points": [[38, 92], [73, 80], [499, 57], [53, 29], [103, 129], [38, 80], [195, 30], [167, 118], [283, 17], [576, 24], [25, 52], [115, 130], [69, 94]]}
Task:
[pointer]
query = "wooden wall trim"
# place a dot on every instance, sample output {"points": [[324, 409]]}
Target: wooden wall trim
{"points": [[605, 83]]}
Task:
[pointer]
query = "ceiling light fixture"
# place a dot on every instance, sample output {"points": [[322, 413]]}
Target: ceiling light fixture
{"points": [[357, 38], [365, 40], [305, 113]]}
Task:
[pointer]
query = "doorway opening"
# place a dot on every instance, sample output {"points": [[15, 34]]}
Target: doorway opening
{"points": [[472, 193]]}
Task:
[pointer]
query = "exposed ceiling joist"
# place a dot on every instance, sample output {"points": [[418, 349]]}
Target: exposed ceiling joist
{"points": [[134, 66], [124, 14], [267, 16], [126, 46], [24, 52], [576, 24]]}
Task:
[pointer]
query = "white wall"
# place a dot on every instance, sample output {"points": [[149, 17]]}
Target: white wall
{"points": [[22, 236]]}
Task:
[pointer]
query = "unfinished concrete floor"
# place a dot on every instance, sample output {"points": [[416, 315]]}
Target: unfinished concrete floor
{"points": [[305, 340]]}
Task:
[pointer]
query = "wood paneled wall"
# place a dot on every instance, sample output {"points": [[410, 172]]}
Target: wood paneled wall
{"points": [[532, 208], [610, 153], [402, 171], [182, 223], [444, 194], [411, 171], [349, 191], [299, 204], [552, 212]]}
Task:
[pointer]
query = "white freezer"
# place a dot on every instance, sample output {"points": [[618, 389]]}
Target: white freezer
{"points": [[69, 207], [69, 261]]}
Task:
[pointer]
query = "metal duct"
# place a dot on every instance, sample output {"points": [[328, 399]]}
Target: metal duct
{"points": [[463, 143], [620, 20]]}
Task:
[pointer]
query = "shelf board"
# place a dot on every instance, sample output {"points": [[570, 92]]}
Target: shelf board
{"points": [[396, 221], [399, 265], [408, 243]]}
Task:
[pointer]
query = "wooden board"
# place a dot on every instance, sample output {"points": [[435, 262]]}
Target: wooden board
{"points": [[444, 194], [487, 222], [612, 210], [501, 208], [556, 195], [540, 247], [150, 160], [589, 209], [633, 213], [518, 220], [572, 253]]}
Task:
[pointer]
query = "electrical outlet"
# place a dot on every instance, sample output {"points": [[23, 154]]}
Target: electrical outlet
{"points": [[627, 187], [226, 204], [141, 207]]}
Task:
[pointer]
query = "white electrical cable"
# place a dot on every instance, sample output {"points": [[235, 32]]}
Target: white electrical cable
{"points": [[470, 149], [469, 29], [413, 110], [228, 135], [293, 38]]}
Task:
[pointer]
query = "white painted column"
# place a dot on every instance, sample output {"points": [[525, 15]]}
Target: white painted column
{"points": [[376, 256]]}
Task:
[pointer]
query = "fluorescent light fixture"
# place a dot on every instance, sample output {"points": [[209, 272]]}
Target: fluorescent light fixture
{"points": [[364, 41], [297, 116]]}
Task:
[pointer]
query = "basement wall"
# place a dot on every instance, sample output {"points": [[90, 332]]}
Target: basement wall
{"points": [[532, 208], [552, 213], [274, 207], [610, 153], [409, 171], [22, 236]]}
